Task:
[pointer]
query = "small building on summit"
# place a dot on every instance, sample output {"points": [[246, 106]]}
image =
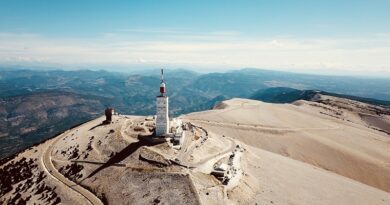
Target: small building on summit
{"points": [[162, 116], [108, 112]]}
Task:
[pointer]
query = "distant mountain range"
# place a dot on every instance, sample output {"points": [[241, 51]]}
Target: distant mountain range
{"points": [[37, 104], [289, 95]]}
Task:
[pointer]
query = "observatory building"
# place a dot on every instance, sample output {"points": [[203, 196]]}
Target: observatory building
{"points": [[162, 118]]}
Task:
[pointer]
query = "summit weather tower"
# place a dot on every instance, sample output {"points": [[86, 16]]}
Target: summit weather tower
{"points": [[162, 120]]}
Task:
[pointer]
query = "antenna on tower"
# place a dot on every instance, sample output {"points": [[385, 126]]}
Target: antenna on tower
{"points": [[162, 75]]}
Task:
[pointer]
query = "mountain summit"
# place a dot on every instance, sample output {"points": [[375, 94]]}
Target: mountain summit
{"points": [[328, 150]]}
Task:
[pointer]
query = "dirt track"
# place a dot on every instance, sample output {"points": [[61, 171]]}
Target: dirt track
{"points": [[52, 171]]}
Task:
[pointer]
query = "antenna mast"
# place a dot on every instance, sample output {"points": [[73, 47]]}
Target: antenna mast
{"points": [[162, 75], [162, 85]]}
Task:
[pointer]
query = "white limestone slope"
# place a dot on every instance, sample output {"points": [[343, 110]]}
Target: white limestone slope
{"points": [[299, 154]]}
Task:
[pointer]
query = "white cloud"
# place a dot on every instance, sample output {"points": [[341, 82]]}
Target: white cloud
{"points": [[208, 50]]}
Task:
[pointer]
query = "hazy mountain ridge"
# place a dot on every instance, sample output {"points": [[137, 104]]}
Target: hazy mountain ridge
{"points": [[374, 113], [289, 95]]}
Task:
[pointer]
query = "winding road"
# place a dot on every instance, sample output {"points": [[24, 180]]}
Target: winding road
{"points": [[188, 147], [52, 171]]}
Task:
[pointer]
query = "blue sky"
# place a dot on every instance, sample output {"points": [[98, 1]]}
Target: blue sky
{"points": [[333, 36]]}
